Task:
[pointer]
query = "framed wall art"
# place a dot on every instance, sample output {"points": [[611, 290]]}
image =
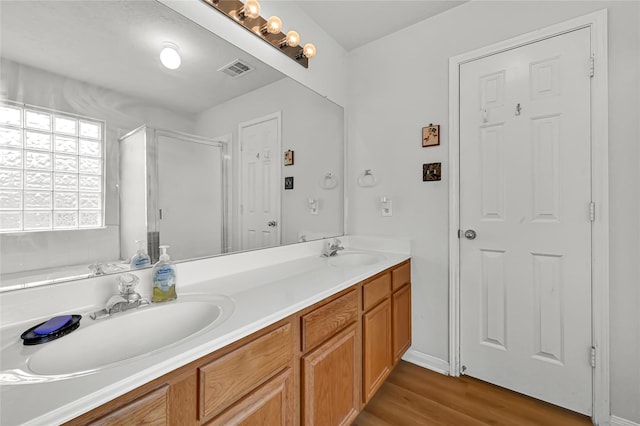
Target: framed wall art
{"points": [[288, 182], [431, 135], [288, 158]]}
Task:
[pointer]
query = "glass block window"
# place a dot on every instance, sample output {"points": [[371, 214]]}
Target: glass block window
{"points": [[51, 170]]}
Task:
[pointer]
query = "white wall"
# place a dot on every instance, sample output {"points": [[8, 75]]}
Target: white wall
{"points": [[313, 128], [122, 113], [399, 84], [327, 71]]}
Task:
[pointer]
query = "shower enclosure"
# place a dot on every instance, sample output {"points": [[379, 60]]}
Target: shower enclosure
{"points": [[173, 191]]}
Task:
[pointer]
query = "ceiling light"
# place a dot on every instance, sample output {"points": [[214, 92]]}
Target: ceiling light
{"points": [[169, 56]]}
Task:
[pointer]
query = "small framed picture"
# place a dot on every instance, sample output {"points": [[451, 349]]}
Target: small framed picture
{"points": [[288, 158], [431, 135], [288, 182], [431, 172]]}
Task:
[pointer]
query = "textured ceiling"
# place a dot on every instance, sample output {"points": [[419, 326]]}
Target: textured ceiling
{"points": [[354, 23]]}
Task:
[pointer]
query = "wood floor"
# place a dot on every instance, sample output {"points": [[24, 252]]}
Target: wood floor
{"points": [[415, 396]]}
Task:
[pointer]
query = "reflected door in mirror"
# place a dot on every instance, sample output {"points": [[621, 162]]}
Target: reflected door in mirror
{"points": [[260, 182]]}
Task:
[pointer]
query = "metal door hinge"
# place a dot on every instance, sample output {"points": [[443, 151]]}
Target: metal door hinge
{"points": [[593, 356], [160, 214], [592, 66], [592, 211]]}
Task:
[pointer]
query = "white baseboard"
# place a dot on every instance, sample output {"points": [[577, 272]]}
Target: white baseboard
{"points": [[428, 361], [619, 421]]}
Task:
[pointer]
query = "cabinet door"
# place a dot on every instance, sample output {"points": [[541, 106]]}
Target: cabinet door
{"points": [[401, 321], [376, 346], [330, 381], [271, 404], [150, 409]]}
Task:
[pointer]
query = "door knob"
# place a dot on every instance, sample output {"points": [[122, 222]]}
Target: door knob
{"points": [[470, 234], [272, 223]]}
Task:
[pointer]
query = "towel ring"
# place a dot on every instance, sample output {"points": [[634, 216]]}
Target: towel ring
{"points": [[367, 179], [329, 181]]}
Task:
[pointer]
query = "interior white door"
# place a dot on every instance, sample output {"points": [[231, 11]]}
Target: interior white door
{"points": [[190, 197], [525, 191], [260, 181]]}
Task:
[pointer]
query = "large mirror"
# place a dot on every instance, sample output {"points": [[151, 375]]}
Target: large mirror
{"points": [[102, 146]]}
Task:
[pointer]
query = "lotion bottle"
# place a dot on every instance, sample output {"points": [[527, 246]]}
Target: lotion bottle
{"points": [[164, 278], [141, 259]]}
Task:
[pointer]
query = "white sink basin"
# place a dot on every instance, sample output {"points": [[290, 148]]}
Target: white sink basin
{"points": [[122, 337], [354, 258]]}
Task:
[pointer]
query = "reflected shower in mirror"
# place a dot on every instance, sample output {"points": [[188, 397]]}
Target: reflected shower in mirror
{"points": [[101, 145]]}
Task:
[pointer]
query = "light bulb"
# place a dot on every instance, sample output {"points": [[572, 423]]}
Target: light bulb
{"points": [[293, 38], [274, 25], [252, 9], [170, 57], [309, 50]]}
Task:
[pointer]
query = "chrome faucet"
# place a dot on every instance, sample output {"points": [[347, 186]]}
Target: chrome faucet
{"points": [[331, 248], [126, 300], [97, 269]]}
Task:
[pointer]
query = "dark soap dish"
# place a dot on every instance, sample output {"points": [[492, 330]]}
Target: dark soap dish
{"points": [[50, 330]]}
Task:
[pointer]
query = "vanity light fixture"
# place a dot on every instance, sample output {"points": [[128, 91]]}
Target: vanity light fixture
{"points": [[269, 30], [169, 56]]}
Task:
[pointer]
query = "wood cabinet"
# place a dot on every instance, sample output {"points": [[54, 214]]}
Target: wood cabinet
{"points": [[386, 325], [401, 321], [316, 367], [330, 385], [330, 361], [376, 335]]}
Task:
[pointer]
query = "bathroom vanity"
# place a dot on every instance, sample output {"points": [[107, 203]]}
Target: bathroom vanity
{"points": [[310, 340], [322, 363]]}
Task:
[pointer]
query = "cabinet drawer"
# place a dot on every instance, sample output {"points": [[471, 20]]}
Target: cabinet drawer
{"points": [[150, 409], [322, 323], [401, 276], [376, 290], [230, 377]]}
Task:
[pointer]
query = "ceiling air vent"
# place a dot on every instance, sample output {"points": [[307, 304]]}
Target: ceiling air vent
{"points": [[236, 68]]}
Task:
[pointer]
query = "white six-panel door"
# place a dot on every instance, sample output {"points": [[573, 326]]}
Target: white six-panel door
{"points": [[525, 190], [260, 182]]}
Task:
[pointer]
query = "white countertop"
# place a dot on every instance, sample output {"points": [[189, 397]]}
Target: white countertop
{"points": [[262, 296]]}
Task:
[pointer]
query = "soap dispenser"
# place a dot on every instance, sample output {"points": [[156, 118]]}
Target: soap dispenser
{"points": [[164, 278], [141, 259]]}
